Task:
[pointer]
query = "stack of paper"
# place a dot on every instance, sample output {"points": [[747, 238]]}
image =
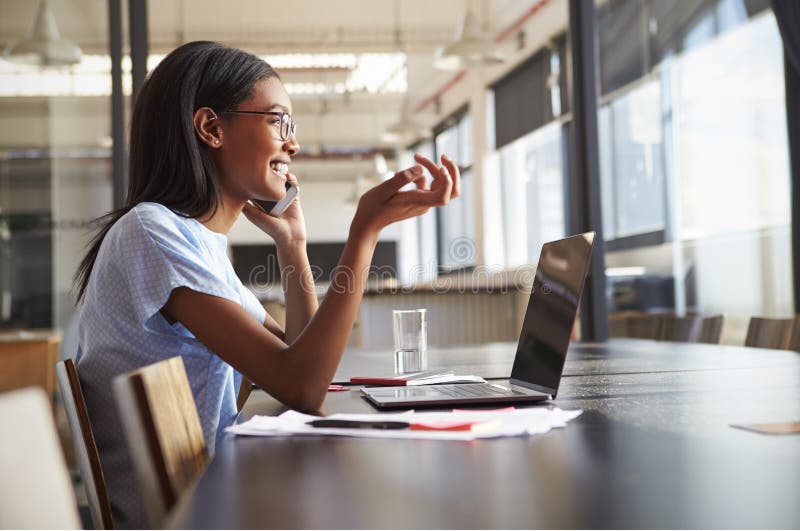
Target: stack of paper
{"points": [[440, 425]]}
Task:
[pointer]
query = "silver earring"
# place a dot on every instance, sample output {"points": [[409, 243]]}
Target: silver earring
{"points": [[216, 141]]}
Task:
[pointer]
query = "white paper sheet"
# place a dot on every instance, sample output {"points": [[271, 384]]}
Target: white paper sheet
{"points": [[515, 423]]}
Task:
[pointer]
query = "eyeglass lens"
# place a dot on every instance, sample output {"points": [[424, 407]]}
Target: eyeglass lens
{"points": [[288, 127]]}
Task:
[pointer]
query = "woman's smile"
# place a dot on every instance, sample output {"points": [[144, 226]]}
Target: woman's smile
{"points": [[279, 168]]}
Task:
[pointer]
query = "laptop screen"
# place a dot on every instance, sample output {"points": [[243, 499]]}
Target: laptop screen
{"points": [[552, 307]]}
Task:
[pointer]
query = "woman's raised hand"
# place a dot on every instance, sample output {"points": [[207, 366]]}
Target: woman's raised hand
{"points": [[386, 203]]}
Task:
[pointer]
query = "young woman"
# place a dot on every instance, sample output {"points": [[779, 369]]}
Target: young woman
{"points": [[211, 129]]}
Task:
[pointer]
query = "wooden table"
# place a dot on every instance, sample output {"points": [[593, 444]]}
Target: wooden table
{"points": [[28, 358], [653, 449]]}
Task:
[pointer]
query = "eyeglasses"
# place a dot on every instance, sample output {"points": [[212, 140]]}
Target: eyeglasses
{"points": [[288, 127]]}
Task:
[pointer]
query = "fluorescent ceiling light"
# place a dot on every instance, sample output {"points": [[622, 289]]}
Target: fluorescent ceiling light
{"points": [[312, 60], [44, 45], [633, 271], [372, 73], [368, 73]]}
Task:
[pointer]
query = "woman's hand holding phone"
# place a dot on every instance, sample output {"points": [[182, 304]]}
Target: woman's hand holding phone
{"points": [[286, 229], [277, 208], [386, 203]]}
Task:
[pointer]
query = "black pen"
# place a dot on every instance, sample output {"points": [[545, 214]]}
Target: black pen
{"points": [[361, 424]]}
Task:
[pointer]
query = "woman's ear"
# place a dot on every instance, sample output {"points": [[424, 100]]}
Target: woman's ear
{"points": [[207, 126]]}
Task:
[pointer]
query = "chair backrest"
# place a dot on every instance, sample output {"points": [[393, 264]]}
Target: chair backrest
{"points": [[618, 323], [645, 326], [85, 446], [27, 358], [794, 335], [768, 333], [244, 393], [163, 431], [686, 329], [35, 487], [667, 327], [711, 329]]}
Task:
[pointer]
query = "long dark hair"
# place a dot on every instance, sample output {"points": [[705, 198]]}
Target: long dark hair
{"points": [[168, 164]]}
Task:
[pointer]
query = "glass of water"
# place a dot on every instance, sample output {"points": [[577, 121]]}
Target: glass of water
{"points": [[410, 340]]}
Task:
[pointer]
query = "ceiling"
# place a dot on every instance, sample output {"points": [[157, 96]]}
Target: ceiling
{"points": [[266, 27]]}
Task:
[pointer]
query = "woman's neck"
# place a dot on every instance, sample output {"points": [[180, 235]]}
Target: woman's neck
{"points": [[227, 212]]}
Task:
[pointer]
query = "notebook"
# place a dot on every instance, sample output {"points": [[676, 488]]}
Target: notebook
{"points": [[543, 342], [417, 378]]}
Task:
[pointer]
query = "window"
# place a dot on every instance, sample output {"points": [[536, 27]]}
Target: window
{"points": [[639, 122], [532, 94], [425, 233], [732, 132], [531, 176], [694, 149], [634, 36], [456, 223], [529, 105], [631, 132]]}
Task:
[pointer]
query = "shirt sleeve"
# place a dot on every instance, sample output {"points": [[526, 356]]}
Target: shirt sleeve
{"points": [[161, 253]]}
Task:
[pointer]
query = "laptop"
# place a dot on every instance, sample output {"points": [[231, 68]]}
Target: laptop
{"points": [[543, 342]]}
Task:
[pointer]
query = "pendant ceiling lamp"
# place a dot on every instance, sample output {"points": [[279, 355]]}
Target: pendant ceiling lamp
{"points": [[44, 46], [406, 130], [470, 49]]}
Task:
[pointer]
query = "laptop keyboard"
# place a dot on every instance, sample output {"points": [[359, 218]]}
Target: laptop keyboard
{"points": [[471, 390]]}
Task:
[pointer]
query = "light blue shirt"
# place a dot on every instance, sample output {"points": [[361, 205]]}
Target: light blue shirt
{"points": [[149, 252]]}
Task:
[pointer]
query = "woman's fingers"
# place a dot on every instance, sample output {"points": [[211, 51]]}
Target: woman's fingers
{"points": [[400, 179], [257, 216], [442, 182], [252, 211], [454, 174], [422, 198], [445, 186], [292, 179], [436, 171]]}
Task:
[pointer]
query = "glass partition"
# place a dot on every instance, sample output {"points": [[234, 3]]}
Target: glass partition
{"points": [[55, 170]]}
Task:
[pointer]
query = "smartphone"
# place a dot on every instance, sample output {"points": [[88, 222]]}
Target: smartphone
{"points": [[276, 208]]}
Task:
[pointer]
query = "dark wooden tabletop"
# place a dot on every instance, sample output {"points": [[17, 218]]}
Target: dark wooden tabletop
{"points": [[653, 449]]}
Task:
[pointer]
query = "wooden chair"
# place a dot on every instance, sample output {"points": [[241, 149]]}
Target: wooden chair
{"points": [[685, 329], [691, 328], [711, 329], [245, 389], [768, 333], [645, 326], [794, 335], [35, 487], [27, 358], [618, 323], [84, 443], [163, 431]]}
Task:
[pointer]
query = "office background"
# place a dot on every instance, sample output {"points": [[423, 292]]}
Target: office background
{"points": [[694, 165]]}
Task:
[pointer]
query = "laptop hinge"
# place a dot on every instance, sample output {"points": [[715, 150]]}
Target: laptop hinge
{"points": [[527, 385]]}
